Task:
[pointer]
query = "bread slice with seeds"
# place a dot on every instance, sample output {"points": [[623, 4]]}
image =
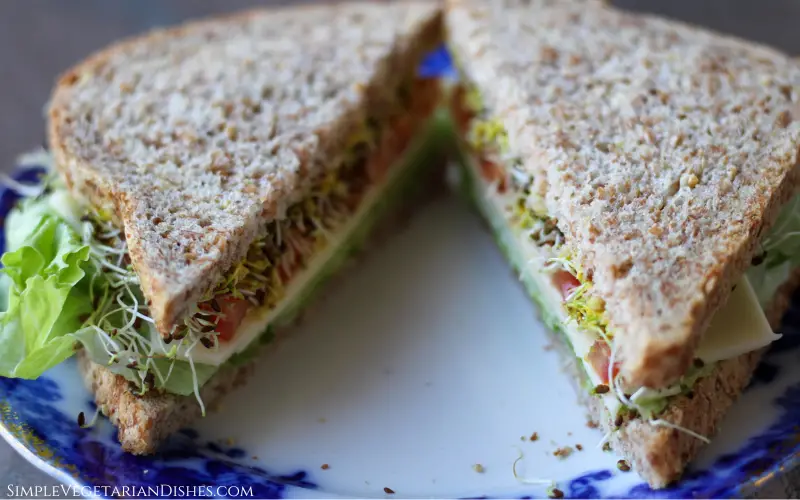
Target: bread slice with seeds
{"points": [[192, 138], [663, 152]]}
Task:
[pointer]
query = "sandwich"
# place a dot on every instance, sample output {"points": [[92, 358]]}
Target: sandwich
{"points": [[205, 180], [639, 174]]}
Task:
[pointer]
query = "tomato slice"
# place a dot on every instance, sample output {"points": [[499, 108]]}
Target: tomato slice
{"points": [[234, 311], [286, 274], [392, 144], [494, 174], [599, 357], [565, 282]]}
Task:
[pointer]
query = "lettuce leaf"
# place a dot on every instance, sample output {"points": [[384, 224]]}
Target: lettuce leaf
{"points": [[47, 291], [45, 296], [781, 253], [180, 380]]}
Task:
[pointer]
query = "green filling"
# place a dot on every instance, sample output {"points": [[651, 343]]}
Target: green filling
{"points": [[780, 254]]}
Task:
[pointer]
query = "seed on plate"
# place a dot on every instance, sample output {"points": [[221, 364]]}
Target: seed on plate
{"points": [[579, 447], [388, 491], [325, 467], [601, 389], [563, 452], [81, 419], [535, 436], [555, 493], [623, 466]]}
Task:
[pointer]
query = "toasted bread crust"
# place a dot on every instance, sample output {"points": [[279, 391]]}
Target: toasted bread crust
{"points": [[664, 152], [193, 137], [660, 454], [144, 422]]}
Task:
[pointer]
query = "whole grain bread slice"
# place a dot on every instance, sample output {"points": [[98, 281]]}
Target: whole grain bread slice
{"points": [[661, 454], [664, 152], [191, 138]]}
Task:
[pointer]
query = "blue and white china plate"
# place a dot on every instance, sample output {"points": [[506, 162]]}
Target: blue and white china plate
{"points": [[423, 373]]}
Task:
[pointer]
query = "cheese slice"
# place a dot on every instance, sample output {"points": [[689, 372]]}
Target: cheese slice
{"points": [[738, 328]]}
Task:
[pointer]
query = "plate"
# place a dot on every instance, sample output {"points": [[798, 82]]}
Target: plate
{"points": [[424, 372]]}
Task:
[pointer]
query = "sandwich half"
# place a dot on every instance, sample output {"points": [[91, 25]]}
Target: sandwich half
{"points": [[209, 178], [639, 175]]}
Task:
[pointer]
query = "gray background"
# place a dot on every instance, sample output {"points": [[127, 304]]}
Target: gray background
{"points": [[41, 38]]}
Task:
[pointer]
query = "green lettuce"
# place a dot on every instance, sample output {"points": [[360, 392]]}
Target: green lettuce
{"points": [[46, 291], [176, 375], [45, 298], [780, 253]]}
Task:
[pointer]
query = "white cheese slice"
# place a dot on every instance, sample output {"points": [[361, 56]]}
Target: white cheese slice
{"points": [[738, 328]]}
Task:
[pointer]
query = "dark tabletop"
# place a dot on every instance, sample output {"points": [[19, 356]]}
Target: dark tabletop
{"points": [[41, 38]]}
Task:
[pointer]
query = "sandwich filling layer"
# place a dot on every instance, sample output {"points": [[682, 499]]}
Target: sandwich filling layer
{"points": [[501, 189], [72, 266]]}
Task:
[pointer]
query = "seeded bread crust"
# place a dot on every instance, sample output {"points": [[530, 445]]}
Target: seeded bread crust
{"points": [[191, 138], [664, 151], [144, 422], [659, 454]]}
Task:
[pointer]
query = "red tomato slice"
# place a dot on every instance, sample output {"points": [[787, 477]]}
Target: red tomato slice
{"points": [[402, 129], [286, 274], [494, 174], [234, 311], [565, 282], [393, 142], [599, 357]]}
